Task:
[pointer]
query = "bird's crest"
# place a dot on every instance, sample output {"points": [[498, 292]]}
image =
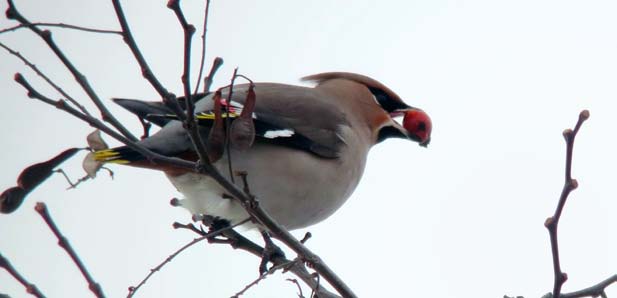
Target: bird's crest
{"points": [[369, 82]]}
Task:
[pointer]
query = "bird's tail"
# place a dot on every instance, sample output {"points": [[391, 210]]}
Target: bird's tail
{"points": [[118, 155]]}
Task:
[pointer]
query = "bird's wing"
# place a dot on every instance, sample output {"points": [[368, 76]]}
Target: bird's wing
{"points": [[144, 108], [311, 116], [297, 117]]}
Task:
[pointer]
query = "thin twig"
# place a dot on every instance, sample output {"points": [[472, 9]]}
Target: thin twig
{"points": [[61, 25], [569, 185], [146, 72], [228, 125], [64, 243], [46, 78], [190, 121], [96, 123], [597, 290], [264, 276], [133, 290], [216, 64], [30, 288], [237, 241], [593, 291], [295, 281], [244, 77], [203, 47], [13, 13]]}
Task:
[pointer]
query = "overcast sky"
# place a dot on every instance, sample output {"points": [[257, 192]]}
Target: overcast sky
{"points": [[462, 218]]}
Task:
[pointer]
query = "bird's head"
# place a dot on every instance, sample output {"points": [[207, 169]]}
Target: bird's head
{"points": [[416, 124]]}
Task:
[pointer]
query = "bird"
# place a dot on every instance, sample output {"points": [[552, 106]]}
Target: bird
{"points": [[305, 154]]}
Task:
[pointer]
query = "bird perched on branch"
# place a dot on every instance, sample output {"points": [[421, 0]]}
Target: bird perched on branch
{"points": [[306, 150]]}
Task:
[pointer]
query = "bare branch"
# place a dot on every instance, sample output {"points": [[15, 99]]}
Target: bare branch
{"points": [[203, 47], [127, 36], [13, 13], [96, 123], [216, 64], [569, 185], [64, 243], [593, 291], [133, 290], [295, 281], [61, 25], [30, 288], [190, 121], [263, 276], [237, 241], [46, 78], [228, 125]]}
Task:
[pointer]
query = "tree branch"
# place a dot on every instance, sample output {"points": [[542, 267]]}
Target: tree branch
{"points": [[190, 121], [96, 123], [127, 36], [46, 78], [64, 243], [133, 290], [30, 288], [61, 25], [203, 46], [593, 291], [569, 185], [237, 241], [216, 64], [263, 276], [13, 13]]}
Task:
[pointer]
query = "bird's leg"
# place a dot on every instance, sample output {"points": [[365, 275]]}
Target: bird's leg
{"points": [[215, 224], [271, 251]]}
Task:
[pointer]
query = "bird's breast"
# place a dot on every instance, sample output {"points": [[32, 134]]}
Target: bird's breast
{"points": [[296, 188]]}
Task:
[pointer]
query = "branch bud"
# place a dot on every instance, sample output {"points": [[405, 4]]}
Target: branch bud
{"points": [[584, 115], [18, 77], [40, 207], [172, 4], [10, 13], [46, 34], [573, 184], [567, 133]]}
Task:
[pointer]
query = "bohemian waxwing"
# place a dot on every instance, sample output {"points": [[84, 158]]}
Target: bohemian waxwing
{"points": [[309, 150]]}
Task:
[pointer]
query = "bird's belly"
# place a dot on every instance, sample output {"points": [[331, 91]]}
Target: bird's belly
{"points": [[297, 189]]}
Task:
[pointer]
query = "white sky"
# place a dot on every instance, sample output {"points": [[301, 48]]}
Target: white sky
{"points": [[463, 218]]}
